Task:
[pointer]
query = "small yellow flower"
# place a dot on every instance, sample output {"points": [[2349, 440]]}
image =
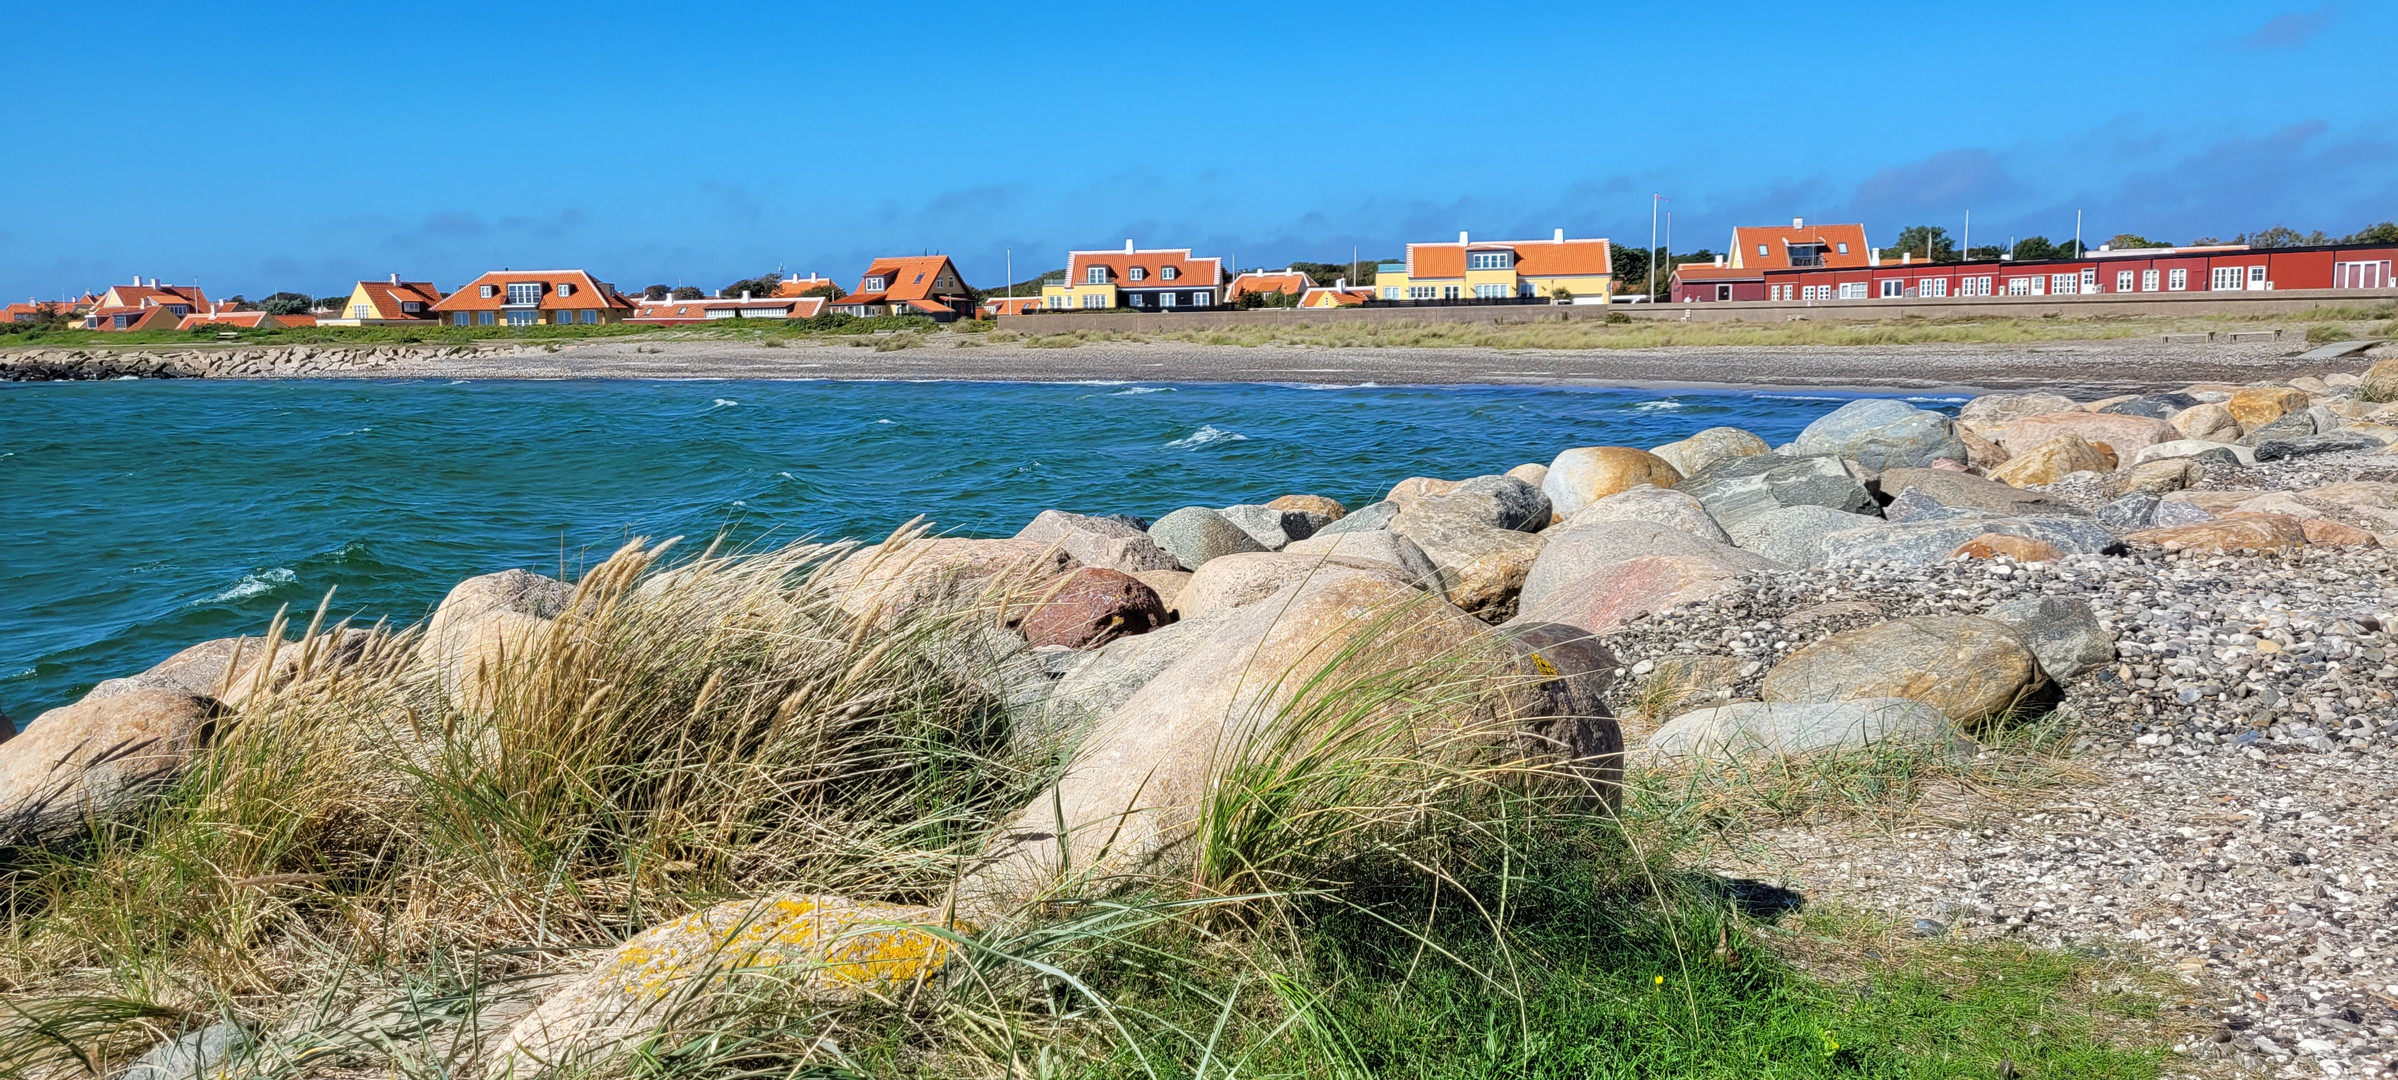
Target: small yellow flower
{"points": [[1661, 980]]}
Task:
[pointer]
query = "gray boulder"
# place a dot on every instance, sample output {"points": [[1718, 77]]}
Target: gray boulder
{"points": [[2333, 442], [2158, 406], [1110, 543], [2172, 512], [1965, 490], [2193, 448], [1913, 505], [1378, 545], [1500, 502], [1737, 488], [205, 1054], [1482, 563], [1664, 506], [2297, 425], [1363, 519], [1574, 554], [1794, 535], [2130, 513], [1917, 542], [1764, 729], [1272, 528], [1690, 455], [1882, 433], [1991, 412], [1085, 684], [1195, 534], [2062, 631]]}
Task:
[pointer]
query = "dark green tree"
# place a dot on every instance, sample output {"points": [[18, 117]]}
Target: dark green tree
{"points": [[2130, 241], [762, 285], [289, 303], [2384, 233], [1923, 242], [1631, 267], [688, 292], [331, 303], [2035, 248], [1985, 252], [657, 292], [2282, 236]]}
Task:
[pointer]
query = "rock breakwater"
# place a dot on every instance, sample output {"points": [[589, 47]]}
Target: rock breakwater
{"points": [[257, 362]]}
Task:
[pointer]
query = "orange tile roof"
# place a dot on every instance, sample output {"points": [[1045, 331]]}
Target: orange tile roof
{"points": [[905, 279], [589, 292], [1153, 262], [1533, 258], [1010, 305], [244, 319], [134, 295], [1776, 242], [387, 297], [1261, 282], [796, 285], [691, 311], [153, 317], [1435, 261], [1711, 272], [1325, 296]]}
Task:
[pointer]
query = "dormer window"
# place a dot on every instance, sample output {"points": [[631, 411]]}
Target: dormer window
{"points": [[1170, 273], [877, 283], [488, 291], [411, 306], [1490, 260], [1136, 273], [1096, 275], [524, 292], [565, 290]]}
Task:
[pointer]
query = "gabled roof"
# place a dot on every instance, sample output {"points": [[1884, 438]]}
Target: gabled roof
{"points": [[1711, 272], [586, 292], [133, 296], [149, 317], [1010, 305], [796, 285], [387, 296], [1337, 297], [905, 279], [1776, 241], [1188, 271], [1553, 257], [1261, 282]]}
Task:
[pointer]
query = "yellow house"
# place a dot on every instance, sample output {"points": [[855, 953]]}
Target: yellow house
{"points": [[1152, 279], [1556, 269], [387, 303]]}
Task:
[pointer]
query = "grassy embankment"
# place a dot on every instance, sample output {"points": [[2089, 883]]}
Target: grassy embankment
{"points": [[369, 876]]}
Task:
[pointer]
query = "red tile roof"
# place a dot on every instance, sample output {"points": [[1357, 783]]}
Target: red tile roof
{"points": [[796, 285], [1324, 296], [1010, 305], [153, 317], [1711, 272], [1261, 282], [387, 296], [1153, 263], [587, 292], [906, 279], [1776, 242], [134, 295]]}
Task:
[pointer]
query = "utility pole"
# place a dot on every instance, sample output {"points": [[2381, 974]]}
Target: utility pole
{"points": [[1011, 272], [1669, 249], [2077, 234], [1654, 199], [1966, 251]]}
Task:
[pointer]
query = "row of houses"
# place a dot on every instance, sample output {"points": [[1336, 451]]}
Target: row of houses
{"points": [[1812, 264], [1802, 263]]}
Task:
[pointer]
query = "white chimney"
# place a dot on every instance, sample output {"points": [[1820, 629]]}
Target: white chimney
{"points": [[1561, 236], [1719, 260], [1128, 245], [1906, 258], [1461, 236], [1798, 223], [395, 279], [745, 294], [1340, 283]]}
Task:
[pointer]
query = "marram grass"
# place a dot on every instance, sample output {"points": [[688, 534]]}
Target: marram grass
{"points": [[374, 883]]}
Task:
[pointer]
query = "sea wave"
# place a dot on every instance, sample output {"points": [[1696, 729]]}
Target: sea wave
{"points": [[252, 584], [1798, 397], [1143, 390], [1662, 403], [1206, 434], [724, 403]]}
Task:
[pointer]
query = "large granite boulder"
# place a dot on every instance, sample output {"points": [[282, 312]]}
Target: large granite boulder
{"points": [[1737, 488], [1688, 456], [1374, 546], [1079, 688], [1665, 506], [2331, 442], [2297, 425], [96, 759], [1794, 535], [1882, 433], [1573, 554], [2156, 406], [1104, 542], [1274, 529], [2380, 382], [2228, 533], [1329, 510], [1482, 565], [510, 592], [1502, 502], [1586, 474], [2257, 406], [2206, 420], [1240, 580], [1367, 518], [1195, 534], [2193, 448], [2062, 631], [1914, 543], [2125, 435], [2054, 460], [1991, 413], [1090, 606], [1970, 492], [908, 575], [826, 947], [1970, 668], [1133, 792], [1782, 729], [1620, 592]]}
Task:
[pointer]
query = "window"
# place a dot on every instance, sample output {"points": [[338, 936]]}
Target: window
{"points": [[590, 316], [522, 317], [919, 280], [1855, 290], [1974, 286], [524, 292], [1096, 275], [1893, 288], [2256, 276], [2361, 275], [565, 289], [1490, 260], [1135, 274], [1844, 247], [1094, 300], [2123, 281], [1200, 298], [2064, 284], [877, 283], [2017, 286], [486, 318], [2148, 281], [1932, 286], [1723, 292], [1806, 254], [1056, 302], [489, 291], [2229, 277], [411, 307], [2090, 281], [1490, 292], [361, 311], [1419, 292], [461, 319], [1760, 249], [1448, 292], [1165, 299], [2177, 279], [1809, 293], [1390, 292], [1169, 273]]}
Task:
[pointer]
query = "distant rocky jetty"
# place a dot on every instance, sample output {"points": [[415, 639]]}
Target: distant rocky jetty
{"points": [[2200, 571], [258, 362]]}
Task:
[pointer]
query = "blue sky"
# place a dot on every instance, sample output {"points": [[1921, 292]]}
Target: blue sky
{"points": [[265, 147]]}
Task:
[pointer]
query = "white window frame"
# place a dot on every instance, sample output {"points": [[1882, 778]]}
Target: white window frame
{"points": [[1854, 290], [2148, 280], [1932, 287], [487, 291], [1165, 299], [1761, 250], [565, 290], [1893, 288], [1451, 292], [1489, 260], [1202, 297], [2064, 284], [1136, 274], [1169, 273], [2227, 278], [2123, 281], [362, 311], [2020, 286], [1844, 247], [524, 293], [2089, 281], [1094, 301], [877, 283], [2363, 273], [2256, 276], [1490, 292], [1057, 303], [2177, 279], [1420, 292], [1096, 275]]}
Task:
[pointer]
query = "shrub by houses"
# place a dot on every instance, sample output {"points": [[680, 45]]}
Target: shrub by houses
{"points": [[1556, 270], [910, 285], [1152, 279], [533, 298]]}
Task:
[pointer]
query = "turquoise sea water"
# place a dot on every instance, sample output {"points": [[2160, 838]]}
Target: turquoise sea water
{"points": [[151, 515]]}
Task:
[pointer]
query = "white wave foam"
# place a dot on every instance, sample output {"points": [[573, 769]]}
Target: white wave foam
{"points": [[1797, 397], [122, 378], [724, 403], [1648, 406], [1940, 400], [252, 584], [1144, 390], [1206, 434], [886, 421]]}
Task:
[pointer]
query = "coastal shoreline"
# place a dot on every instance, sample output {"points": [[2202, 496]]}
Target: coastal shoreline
{"points": [[2090, 368]]}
